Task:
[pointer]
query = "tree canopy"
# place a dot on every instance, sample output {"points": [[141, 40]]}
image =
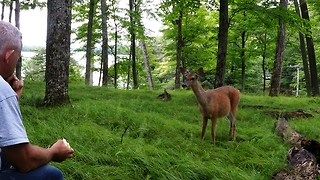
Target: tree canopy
{"points": [[189, 38]]}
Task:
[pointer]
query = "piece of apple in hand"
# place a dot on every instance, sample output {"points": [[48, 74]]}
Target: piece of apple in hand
{"points": [[66, 143]]}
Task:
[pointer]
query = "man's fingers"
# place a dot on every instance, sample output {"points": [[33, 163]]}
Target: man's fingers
{"points": [[10, 78]]}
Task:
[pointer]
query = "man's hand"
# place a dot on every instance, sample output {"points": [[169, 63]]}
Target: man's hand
{"points": [[60, 151], [16, 84], [26, 157]]}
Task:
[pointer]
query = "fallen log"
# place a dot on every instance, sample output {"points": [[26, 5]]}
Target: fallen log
{"points": [[287, 133], [302, 163]]}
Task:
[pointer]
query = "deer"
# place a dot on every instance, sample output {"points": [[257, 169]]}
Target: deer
{"points": [[213, 103]]}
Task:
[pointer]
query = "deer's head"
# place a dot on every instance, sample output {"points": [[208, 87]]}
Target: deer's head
{"points": [[190, 78]]}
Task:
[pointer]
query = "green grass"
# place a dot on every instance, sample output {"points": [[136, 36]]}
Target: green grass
{"points": [[162, 140]]}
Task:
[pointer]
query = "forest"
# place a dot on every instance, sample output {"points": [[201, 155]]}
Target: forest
{"points": [[123, 129], [255, 45]]}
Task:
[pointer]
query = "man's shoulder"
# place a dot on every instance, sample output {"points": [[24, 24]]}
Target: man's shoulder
{"points": [[5, 89], [3, 83]]}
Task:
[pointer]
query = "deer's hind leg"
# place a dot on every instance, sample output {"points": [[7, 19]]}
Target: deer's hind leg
{"points": [[232, 131], [234, 101]]}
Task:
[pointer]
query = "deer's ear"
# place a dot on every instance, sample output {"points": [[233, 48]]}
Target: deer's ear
{"points": [[200, 72], [182, 70]]}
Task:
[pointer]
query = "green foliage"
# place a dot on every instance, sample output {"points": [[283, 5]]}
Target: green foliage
{"points": [[256, 20], [34, 68], [199, 38], [80, 16], [121, 134], [170, 9], [75, 71], [119, 28], [26, 4]]}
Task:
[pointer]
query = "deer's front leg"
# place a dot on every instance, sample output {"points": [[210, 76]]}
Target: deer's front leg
{"points": [[204, 126], [213, 129]]}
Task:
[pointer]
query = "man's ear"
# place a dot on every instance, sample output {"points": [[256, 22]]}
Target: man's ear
{"points": [[8, 54]]}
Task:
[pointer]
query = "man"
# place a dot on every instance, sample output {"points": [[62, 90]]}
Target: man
{"points": [[20, 159]]}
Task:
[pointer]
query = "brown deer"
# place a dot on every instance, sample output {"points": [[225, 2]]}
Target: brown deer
{"points": [[213, 103]]}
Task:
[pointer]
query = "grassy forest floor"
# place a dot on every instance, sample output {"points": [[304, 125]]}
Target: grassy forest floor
{"points": [[130, 134]]}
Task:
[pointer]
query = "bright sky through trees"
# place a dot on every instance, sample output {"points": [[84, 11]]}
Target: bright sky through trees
{"points": [[33, 25]]}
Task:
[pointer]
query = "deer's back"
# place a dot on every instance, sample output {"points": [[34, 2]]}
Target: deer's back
{"points": [[221, 101]]}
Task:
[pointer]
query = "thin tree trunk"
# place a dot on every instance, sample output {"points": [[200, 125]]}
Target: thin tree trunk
{"points": [[2, 10], [105, 59], [277, 69], [17, 13], [88, 78], [116, 56], [115, 52], [10, 12], [304, 55], [311, 52], [264, 61], [146, 63], [133, 44], [179, 51], [17, 21], [129, 67], [243, 59], [222, 44], [100, 71]]}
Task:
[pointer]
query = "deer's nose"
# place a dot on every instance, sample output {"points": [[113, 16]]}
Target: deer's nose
{"points": [[184, 85]]}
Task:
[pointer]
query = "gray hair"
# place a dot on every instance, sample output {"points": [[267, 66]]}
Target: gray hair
{"points": [[10, 37]]}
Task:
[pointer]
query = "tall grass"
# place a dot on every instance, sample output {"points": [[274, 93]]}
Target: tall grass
{"points": [[130, 134]]}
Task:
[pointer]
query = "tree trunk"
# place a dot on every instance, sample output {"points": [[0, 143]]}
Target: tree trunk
{"points": [[2, 9], [17, 14], [128, 75], [222, 44], [243, 59], [17, 20], [146, 63], [58, 51], [133, 44], [116, 56], [179, 51], [277, 68], [115, 51], [88, 78], [304, 55], [311, 53], [105, 45], [10, 11], [264, 61], [100, 70]]}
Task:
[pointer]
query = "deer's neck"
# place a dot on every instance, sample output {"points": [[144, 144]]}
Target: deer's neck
{"points": [[200, 94]]}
